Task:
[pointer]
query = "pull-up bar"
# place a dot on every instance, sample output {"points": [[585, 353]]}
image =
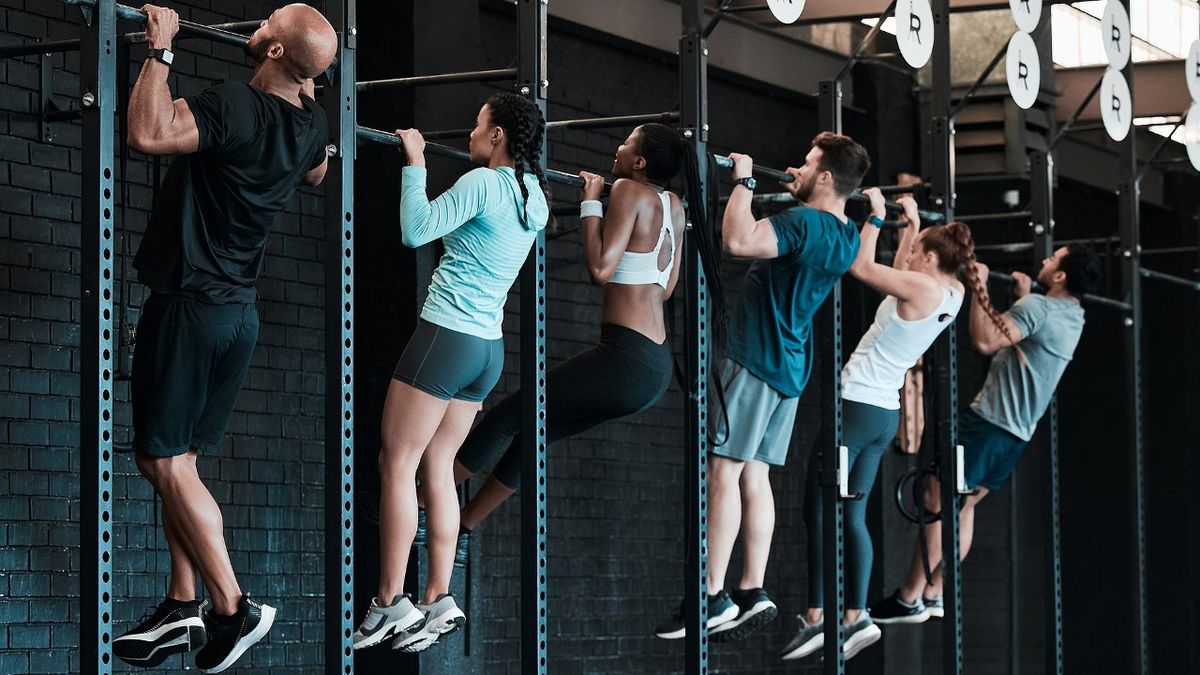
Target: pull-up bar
{"points": [[443, 78], [128, 13], [583, 123], [785, 177], [56, 46], [386, 138], [1171, 278], [1086, 297]]}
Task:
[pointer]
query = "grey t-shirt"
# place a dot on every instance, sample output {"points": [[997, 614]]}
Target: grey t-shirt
{"points": [[1022, 378]]}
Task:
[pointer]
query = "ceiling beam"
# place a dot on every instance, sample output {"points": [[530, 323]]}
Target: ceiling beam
{"points": [[1158, 89]]}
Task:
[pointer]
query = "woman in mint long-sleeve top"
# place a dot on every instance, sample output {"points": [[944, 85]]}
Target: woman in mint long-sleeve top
{"points": [[487, 222]]}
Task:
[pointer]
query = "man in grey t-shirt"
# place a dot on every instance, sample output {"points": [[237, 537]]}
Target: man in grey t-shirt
{"points": [[1032, 345]]}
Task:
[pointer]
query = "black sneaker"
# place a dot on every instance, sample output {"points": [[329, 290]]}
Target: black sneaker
{"points": [[894, 610], [419, 537], [175, 627], [755, 610], [463, 550], [230, 637], [720, 610]]}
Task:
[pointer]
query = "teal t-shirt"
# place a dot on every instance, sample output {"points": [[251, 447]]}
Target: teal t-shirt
{"points": [[771, 331], [487, 231]]}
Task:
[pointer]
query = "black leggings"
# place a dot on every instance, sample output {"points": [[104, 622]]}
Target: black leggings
{"points": [[626, 372]]}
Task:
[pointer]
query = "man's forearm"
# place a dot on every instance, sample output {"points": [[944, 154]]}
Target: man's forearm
{"points": [[151, 108], [738, 218]]}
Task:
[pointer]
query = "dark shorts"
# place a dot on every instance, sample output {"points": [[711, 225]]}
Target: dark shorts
{"points": [[990, 453], [448, 364], [188, 365]]}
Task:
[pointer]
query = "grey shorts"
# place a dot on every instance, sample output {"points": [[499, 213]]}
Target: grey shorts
{"points": [[760, 418], [448, 364]]}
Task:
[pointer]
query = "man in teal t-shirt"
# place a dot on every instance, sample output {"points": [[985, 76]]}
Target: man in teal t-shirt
{"points": [[798, 257]]}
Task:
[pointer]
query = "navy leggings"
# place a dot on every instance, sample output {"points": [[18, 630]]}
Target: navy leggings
{"points": [[626, 372], [868, 431]]}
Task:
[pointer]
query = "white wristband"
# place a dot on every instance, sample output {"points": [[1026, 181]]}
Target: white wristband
{"points": [[591, 207]]}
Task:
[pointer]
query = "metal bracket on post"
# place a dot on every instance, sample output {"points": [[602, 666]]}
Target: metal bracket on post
{"points": [[693, 114], [534, 635], [98, 93], [340, 102]]}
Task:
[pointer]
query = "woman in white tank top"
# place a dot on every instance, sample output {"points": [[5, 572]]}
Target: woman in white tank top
{"points": [[922, 297]]}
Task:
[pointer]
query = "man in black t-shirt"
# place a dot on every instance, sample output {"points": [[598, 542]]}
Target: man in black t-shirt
{"points": [[242, 152]]}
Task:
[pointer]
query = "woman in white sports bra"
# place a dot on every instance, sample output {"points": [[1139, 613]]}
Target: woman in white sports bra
{"points": [[634, 250], [922, 297]]}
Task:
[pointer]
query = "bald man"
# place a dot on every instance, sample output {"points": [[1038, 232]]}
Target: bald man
{"points": [[242, 151]]}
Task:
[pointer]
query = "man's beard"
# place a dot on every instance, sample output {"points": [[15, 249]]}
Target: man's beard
{"points": [[804, 191], [257, 50]]}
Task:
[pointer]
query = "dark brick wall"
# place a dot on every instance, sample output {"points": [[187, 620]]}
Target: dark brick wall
{"points": [[267, 476]]}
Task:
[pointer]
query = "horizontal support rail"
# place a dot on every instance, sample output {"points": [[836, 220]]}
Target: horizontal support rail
{"points": [[1087, 297], [1171, 278], [443, 78]]}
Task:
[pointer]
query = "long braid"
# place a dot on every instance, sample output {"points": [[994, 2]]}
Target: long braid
{"points": [[956, 250], [525, 128]]}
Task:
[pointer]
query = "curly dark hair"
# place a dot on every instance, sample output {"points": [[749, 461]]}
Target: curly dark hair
{"points": [[1082, 268]]}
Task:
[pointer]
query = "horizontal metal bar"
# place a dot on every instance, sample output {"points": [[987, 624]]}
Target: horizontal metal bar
{"points": [[892, 207], [994, 217], [56, 46], [1087, 297], [774, 174], [443, 78], [1171, 278], [614, 121], [128, 13], [446, 134], [387, 138], [902, 189]]}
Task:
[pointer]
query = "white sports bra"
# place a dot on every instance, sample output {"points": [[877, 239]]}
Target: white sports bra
{"points": [[636, 268]]}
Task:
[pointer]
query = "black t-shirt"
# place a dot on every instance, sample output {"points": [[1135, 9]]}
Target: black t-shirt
{"points": [[209, 225]]}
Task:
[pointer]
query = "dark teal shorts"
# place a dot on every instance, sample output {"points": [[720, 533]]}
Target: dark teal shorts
{"points": [[188, 365], [990, 453], [448, 364]]}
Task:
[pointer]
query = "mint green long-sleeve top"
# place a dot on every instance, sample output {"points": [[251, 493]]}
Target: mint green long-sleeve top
{"points": [[487, 231]]}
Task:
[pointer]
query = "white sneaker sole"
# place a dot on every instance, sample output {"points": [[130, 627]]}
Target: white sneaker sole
{"points": [[861, 640], [802, 650], [713, 622], [247, 641], [427, 636], [390, 629], [921, 617], [935, 613]]}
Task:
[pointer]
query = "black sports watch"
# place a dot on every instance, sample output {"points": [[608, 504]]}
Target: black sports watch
{"points": [[749, 182], [163, 56]]}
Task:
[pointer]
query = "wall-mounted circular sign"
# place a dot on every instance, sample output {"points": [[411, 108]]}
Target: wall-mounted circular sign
{"points": [[914, 31], [1191, 135], [1116, 104], [787, 11], [1191, 67], [1024, 69], [1114, 30], [1026, 13]]}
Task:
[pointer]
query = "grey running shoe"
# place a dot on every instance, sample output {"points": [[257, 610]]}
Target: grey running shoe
{"points": [[935, 605], [384, 621], [810, 637], [441, 618], [755, 610], [720, 610], [894, 610], [860, 635]]}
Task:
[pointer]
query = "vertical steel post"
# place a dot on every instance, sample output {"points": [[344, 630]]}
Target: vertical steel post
{"points": [[1128, 225], [340, 106], [98, 94], [693, 118], [1041, 181], [946, 348], [829, 116], [532, 83]]}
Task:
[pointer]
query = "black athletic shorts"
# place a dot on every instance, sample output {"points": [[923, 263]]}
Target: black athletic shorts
{"points": [[448, 364], [188, 366]]}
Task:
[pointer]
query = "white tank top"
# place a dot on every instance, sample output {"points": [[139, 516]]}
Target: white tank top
{"points": [[637, 268], [875, 372]]}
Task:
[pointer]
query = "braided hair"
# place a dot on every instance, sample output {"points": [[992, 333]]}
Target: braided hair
{"points": [[524, 128], [955, 249], [666, 152]]}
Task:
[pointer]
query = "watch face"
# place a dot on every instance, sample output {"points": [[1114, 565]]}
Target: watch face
{"points": [[750, 182]]}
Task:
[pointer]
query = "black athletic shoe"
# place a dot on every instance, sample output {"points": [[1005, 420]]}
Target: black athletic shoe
{"points": [[893, 610], [230, 637], [755, 610], [463, 550], [720, 610], [175, 627], [419, 538]]}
